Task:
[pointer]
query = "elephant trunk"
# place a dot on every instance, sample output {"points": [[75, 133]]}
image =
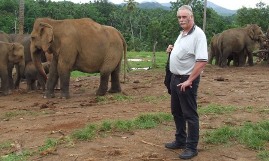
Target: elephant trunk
{"points": [[21, 67], [36, 56]]}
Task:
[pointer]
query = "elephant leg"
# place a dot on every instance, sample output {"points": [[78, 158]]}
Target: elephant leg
{"points": [[250, 59], [103, 84], [223, 62], [115, 81], [241, 61], [30, 84], [53, 75], [64, 82], [217, 60], [41, 82], [10, 76], [17, 78], [5, 84]]}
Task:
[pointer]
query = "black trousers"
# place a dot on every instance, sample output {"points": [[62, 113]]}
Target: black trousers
{"points": [[184, 111]]}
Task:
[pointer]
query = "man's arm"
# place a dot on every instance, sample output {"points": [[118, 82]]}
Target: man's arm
{"points": [[198, 68]]}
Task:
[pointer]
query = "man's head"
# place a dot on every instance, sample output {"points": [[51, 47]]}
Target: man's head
{"points": [[185, 17]]}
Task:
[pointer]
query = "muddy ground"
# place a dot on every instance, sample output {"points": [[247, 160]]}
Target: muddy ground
{"points": [[27, 120]]}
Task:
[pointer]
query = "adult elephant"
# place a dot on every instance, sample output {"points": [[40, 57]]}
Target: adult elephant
{"points": [[239, 44], [214, 51], [78, 44], [10, 54], [4, 37]]}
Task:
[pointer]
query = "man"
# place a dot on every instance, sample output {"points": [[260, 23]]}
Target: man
{"points": [[187, 60]]}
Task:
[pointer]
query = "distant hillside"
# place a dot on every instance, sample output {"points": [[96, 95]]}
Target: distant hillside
{"points": [[166, 6], [153, 5], [220, 10]]}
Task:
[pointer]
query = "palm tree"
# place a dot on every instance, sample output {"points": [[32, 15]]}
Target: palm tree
{"points": [[21, 16], [204, 19], [131, 5]]}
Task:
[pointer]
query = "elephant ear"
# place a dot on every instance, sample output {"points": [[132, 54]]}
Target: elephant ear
{"points": [[251, 31], [46, 35]]}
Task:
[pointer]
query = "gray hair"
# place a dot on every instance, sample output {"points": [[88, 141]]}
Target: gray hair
{"points": [[187, 7]]}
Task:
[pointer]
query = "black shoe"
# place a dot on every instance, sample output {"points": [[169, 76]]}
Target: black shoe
{"points": [[174, 145], [188, 154]]}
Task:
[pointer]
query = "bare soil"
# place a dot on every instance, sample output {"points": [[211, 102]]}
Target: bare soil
{"points": [[27, 119]]}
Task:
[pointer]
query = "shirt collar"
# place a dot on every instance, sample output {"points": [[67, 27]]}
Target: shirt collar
{"points": [[191, 30]]}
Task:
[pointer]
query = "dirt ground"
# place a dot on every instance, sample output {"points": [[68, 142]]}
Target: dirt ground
{"points": [[27, 119]]}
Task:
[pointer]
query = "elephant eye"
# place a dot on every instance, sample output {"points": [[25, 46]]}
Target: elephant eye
{"points": [[32, 38]]}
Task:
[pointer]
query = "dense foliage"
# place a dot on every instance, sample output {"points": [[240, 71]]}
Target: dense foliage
{"points": [[141, 27]]}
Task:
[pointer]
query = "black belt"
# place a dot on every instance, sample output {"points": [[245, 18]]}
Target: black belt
{"points": [[181, 76]]}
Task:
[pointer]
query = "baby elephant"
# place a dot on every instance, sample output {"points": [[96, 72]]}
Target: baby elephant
{"points": [[10, 54], [33, 78]]}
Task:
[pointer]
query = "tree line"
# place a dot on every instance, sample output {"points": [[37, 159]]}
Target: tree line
{"points": [[142, 28]]}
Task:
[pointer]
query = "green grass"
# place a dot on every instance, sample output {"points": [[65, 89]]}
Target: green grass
{"points": [[253, 135], [143, 121], [155, 99], [50, 143], [5, 145], [216, 109], [161, 58], [75, 74], [16, 157], [263, 155], [87, 133]]}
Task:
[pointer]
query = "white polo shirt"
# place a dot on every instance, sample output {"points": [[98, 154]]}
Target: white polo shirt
{"points": [[187, 50]]}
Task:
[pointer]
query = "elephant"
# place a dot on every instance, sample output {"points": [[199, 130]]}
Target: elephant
{"points": [[214, 52], [33, 78], [78, 44], [10, 54], [25, 40], [4, 37], [238, 44]]}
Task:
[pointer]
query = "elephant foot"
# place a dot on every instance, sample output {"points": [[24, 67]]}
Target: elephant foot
{"points": [[49, 95], [100, 93], [7, 93], [64, 96], [114, 90]]}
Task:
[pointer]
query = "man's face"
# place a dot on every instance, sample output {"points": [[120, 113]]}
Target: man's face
{"points": [[185, 19]]}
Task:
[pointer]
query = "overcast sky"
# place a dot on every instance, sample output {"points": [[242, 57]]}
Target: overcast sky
{"points": [[229, 4]]}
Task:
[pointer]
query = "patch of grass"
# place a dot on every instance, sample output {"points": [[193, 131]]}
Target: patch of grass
{"points": [[106, 126], [221, 135], [265, 110], [76, 74], [150, 121], [216, 109], [49, 145], [249, 108], [5, 145], [21, 113], [121, 97], [87, 133], [254, 136], [146, 57], [263, 155], [123, 125], [16, 157], [144, 121], [155, 99]]}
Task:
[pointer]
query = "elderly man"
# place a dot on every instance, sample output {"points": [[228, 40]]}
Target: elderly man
{"points": [[187, 60]]}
